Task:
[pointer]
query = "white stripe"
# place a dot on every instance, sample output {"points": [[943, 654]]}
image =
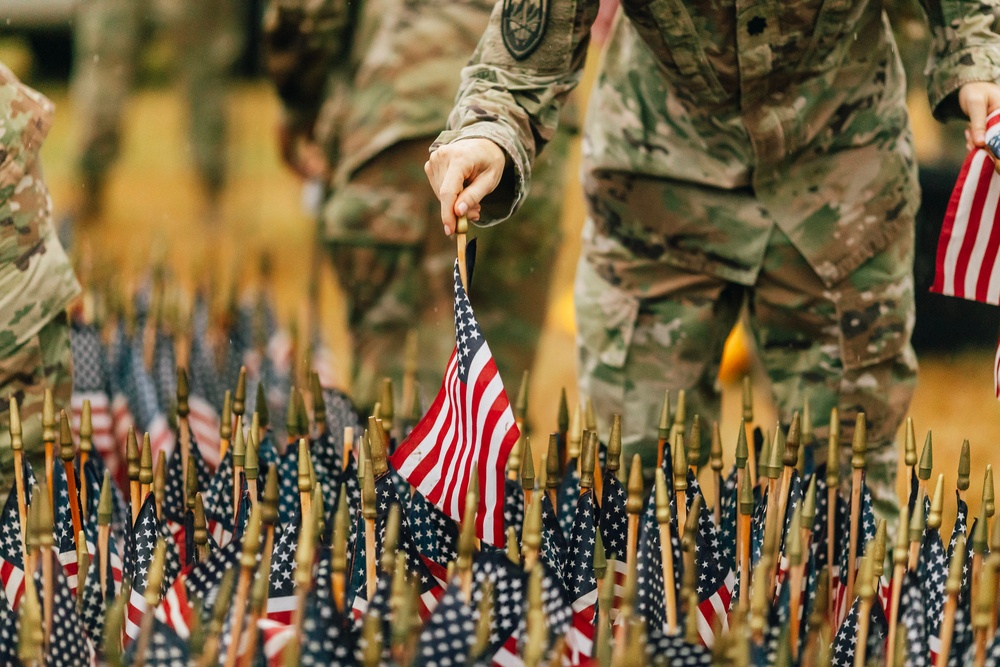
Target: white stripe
{"points": [[14, 582], [428, 443], [450, 436], [136, 600], [429, 601], [505, 658], [961, 222], [983, 236], [286, 603], [474, 451], [705, 630]]}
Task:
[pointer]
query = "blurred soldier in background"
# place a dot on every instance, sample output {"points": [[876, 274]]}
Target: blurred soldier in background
{"points": [[365, 87], [109, 35], [36, 279]]}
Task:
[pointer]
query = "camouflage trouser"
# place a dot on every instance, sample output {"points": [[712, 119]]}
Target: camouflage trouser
{"points": [[395, 267], [108, 36], [44, 361], [646, 326]]}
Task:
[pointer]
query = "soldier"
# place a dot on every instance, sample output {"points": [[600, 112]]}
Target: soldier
{"points": [[365, 87], [36, 279], [754, 152], [108, 34]]}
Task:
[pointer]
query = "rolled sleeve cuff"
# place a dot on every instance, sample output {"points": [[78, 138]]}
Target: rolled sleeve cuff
{"points": [[503, 202], [977, 63]]}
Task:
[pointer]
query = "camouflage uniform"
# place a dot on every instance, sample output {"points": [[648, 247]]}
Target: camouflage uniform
{"points": [[36, 279], [735, 150], [108, 39], [374, 81]]}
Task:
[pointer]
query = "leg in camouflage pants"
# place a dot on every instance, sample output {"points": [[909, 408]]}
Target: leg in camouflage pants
{"points": [[646, 326], [396, 269]]}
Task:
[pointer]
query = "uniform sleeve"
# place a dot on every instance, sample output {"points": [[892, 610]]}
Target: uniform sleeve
{"points": [[964, 47], [527, 62], [304, 42]]}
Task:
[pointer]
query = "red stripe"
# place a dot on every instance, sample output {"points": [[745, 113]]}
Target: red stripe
{"points": [[975, 221], [948, 227]]}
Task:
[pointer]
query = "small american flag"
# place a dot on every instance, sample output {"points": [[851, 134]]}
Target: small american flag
{"points": [[145, 534], [614, 532], [580, 581], [469, 429], [968, 254], [11, 557], [449, 633], [913, 617]]}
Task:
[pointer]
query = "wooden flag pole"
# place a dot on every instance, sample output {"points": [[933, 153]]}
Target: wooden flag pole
{"points": [[743, 535], [796, 562], [86, 446], [910, 460], [633, 507], [45, 540], [916, 532], [248, 563], [952, 587], [715, 460], [858, 447], [832, 490], [132, 458], [183, 428], [866, 591], [49, 438], [146, 468], [226, 425], [104, 532], [899, 558], [338, 560], [370, 513], [17, 446], [663, 429], [666, 549], [152, 598], [239, 458], [680, 479], [461, 229], [67, 454], [749, 426]]}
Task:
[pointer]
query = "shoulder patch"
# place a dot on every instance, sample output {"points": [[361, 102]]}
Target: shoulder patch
{"points": [[523, 26]]}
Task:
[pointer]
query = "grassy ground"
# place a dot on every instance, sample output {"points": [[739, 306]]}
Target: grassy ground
{"points": [[154, 208]]}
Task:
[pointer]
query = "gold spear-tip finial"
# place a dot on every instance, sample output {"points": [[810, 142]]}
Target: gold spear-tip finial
{"points": [[251, 540], [513, 555], [191, 484], [926, 464], [132, 455], [44, 522], [269, 504], [226, 422], [30, 637], [183, 409], [104, 507], [694, 442], [589, 416], [200, 524], [866, 575], [319, 402], [937, 504], [240, 397], [764, 455], [521, 404], [304, 479], [260, 410], [989, 499], [691, 523], [613, 457], [980, 534], [918, 521], [692, 635], [251, 460], [154, 580], [742, 449], [878, 548], [390, 540], [809, 504], [662, 497], [368, 500], [514, 459], [86, 427], [380, 447], [774, 455], [562, 417], [552, 476], [575, 434], [600, 556], [66, 450], [910, 448], [985, 594], [964, 468], [746, 493], [467, 534], [663, 428], [292, 415], [859, 445], [833, 451], [338, 560], [146, 461], [793, 547], [900, 552], [680, 463], [633, 503], [531, 533], [587, 461], [16, 441], [790, 455], [680, 414], [527, 467], [48, 417], [239, 444], [758, 596], [715, 454], [303, 413]]}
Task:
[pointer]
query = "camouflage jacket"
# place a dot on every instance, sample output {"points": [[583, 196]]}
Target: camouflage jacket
{"points": [[36, 278], [794, 105], [366, 74]]}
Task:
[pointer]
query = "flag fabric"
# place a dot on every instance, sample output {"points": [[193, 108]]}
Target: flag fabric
{"points": [[913, 621], [613, 522], [199, 581], [553, 548], [580, 580], [144, 405], [676, 651], [90, 383], [513, 506], [932, 572], [281, 585], [166, 648], [469, 430], [566, 495], [68, 647], [509, 582], [9, 630], [449, 632], [217, 499], [845, 641], [62, 522], [11, 555], [144, 535]]}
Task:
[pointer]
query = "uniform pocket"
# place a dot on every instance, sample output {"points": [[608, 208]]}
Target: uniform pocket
{"points": [[606, 317], [876, 324]]}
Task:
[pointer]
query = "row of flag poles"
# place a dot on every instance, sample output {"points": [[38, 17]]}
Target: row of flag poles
{"points": [[167, 521]]}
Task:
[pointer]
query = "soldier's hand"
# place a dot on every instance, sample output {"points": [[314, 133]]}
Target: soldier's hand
{"points": [[978, 100], [301, 154], [462, 173]]}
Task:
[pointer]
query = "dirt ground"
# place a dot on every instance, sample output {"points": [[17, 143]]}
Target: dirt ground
{"points": [[154, 207]]}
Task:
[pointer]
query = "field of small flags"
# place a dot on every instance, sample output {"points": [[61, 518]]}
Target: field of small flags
{"points": [[178, 521]]}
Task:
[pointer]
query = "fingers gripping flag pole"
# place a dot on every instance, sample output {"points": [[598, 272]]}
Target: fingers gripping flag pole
{"points": [[468, 430], [967, 264]]}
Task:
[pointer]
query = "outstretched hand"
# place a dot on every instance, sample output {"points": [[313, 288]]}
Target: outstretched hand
{"points": [[462, 174], [978, 100]]}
